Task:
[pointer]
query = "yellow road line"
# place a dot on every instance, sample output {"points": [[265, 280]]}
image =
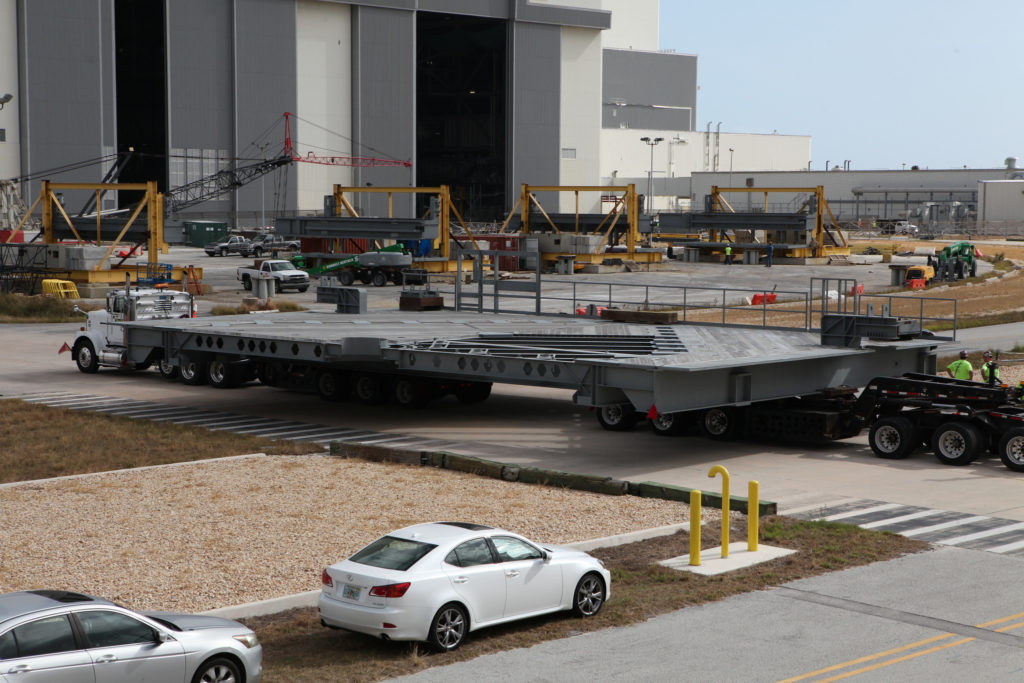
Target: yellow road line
{"points": [[904, 648]]}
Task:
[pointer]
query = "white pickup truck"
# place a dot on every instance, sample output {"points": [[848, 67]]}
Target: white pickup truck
{"points": [[286, 275]]}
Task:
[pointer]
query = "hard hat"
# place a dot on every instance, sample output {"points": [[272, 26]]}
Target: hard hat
{"points": [[987, 354], [963, 354]]}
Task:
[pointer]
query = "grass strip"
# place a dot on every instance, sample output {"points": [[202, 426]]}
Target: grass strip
{"points": [[95, 442]]}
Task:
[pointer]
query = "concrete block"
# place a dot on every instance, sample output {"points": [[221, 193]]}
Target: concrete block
{"points": [[478, 466]]}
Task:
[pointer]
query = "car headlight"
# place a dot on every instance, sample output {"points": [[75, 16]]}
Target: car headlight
{"points": [[248, 639]]}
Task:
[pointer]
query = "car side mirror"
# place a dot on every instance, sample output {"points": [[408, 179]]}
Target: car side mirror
{"points": [[162, 637]]}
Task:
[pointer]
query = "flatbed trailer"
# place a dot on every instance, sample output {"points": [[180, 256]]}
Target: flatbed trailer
{"points": [[730, 383]]}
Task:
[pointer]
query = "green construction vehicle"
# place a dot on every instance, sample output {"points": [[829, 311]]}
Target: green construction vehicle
{"points": [[957, 261], [377, 267]]}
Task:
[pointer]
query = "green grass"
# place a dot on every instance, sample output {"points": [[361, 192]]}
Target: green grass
{"points": [[33, 449]]}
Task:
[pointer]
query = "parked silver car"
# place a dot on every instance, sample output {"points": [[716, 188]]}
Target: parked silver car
{"points": [[50, 636]]}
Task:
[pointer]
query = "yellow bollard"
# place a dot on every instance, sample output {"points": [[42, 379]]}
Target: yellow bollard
{"points": [[753, 514], [718, 469], [695, 528]]}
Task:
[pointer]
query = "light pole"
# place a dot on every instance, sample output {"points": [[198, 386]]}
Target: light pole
{"points": [[731, 150], [650, 142]]}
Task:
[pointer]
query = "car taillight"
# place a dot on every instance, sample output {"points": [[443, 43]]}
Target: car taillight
{"points": [[326, 579], [392, 590]]}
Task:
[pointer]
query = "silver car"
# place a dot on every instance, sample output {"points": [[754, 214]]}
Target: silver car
{"points": [[50, 636]]}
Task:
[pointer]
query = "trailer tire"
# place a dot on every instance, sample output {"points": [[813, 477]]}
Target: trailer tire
{"points": [[671, 424], [473, 392], [193, 373], [1011, 449], [411, 392], [346, 278], [85, 357], [721, 424], [365, 276], [247, 283], [957, 443], [332, 385], [371, 389], [893, 438], [220, 374], [167, 371], [618, 418], [379, 278]]}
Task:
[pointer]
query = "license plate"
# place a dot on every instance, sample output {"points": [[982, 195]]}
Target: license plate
{"points": [[350, 592]]}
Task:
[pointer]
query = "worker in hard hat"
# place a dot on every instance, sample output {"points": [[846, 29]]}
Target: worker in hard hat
{"points": [[961, 368], [989, 369]]}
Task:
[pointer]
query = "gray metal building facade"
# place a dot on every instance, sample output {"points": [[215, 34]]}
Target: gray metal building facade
{"points": [[230, 70]]}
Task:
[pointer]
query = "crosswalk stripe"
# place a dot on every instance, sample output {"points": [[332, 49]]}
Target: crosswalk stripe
{"points": [[943, 525], [859, 513], [982, 534], [1007, 548], [902, 518]]}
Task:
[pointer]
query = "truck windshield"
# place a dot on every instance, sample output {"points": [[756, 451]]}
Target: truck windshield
{"points": [[280, 265]]}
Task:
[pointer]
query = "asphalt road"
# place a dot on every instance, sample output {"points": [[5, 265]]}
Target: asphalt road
{"points": [[764, 636]]}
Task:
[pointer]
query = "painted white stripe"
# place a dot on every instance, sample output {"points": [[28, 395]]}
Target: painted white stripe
{"points": [[384, 439], [231, 427], [312, 430], [203, 417], [865, 511], [944, 525], [307, 434], [903, 518], [257, 431], [982, 534], [1008, 548]]}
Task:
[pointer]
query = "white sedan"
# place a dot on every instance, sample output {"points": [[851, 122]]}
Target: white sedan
{"points": [[438, 581]]}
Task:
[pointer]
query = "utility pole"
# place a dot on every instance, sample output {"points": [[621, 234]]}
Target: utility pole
{"points": [[650, 142]]}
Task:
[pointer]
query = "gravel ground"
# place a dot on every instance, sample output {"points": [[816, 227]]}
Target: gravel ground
{"points": [[217, 533]]}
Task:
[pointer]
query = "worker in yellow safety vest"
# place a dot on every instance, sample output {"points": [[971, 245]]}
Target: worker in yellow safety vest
{"points": [[728, 255], [989, 369], [961, 368]]}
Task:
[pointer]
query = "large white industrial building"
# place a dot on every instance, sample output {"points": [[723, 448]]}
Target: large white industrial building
{"points": [[481, 96]]}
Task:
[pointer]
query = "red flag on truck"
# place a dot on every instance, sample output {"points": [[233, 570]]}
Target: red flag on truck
{"points": [[64, 347]]}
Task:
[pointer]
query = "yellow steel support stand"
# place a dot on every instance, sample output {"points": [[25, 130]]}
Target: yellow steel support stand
{"points": [[820, 249], [718, 469], [695, 515], [753, 514]]}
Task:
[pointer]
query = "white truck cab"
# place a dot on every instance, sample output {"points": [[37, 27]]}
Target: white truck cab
{"points": [[100, 342]]}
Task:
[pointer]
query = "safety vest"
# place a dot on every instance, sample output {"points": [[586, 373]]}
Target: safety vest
{"points": [[728, 251], [961, 368], [985, 369]]}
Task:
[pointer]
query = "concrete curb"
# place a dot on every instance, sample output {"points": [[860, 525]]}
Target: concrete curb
{"points": [[87, 475], [309, 598], [544, 477]]}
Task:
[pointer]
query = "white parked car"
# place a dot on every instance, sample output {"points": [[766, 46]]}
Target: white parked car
{"points": [[439, 581]]}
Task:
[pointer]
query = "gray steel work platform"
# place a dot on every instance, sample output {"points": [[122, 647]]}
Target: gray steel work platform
{"points": [[675, 367]]}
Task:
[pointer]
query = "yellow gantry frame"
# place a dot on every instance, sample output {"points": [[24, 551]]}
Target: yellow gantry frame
{"points": [[445, 210], [719, 203], [625, 205], [151, 199]]}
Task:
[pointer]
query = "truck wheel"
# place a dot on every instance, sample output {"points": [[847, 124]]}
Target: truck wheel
{"points": [[193, 373], [246, 283], [396, 277], [365, 276], [332, 385], [618, 418], [380, 278], [346, 278], [223, 251], [372, 389], [473, 392], [411, 393], [1011, 449], [167, 370], [957, 443], [85, 357], [257, 252], [720, 424], [671, 424], [893, 438], [220, 374]]}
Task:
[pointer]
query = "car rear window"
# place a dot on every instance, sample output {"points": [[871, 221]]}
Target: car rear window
{"points": [[392, 553]]}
